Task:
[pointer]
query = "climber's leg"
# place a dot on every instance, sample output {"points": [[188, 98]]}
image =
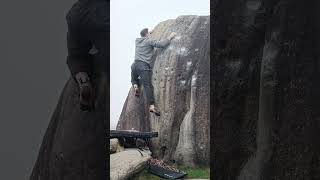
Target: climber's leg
{"points": [[134, 79], [144, 71], [147, 84], [146, 80], [134, 75]]}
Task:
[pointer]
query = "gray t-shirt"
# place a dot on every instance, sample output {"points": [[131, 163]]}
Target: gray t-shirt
{"points": [[145, 46]]}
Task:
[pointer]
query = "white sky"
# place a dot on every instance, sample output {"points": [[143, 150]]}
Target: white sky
{"points": [[128, 17]]}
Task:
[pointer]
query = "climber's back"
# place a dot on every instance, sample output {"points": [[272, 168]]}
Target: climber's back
{"points": [[145, 46]]}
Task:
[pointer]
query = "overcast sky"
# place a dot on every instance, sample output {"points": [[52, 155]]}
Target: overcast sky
{"points": [[128, 17]]}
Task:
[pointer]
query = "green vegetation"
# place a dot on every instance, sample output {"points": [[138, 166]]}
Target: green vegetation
{"points": [[196, 173]]}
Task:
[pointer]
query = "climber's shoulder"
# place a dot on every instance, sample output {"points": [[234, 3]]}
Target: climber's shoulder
{"points": [[143, 41], [150, 41], [73, 16], [84, 12]]}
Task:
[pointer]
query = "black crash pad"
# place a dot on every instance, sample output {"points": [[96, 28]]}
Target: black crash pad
{"points": [[132, 134], [165, 173]]}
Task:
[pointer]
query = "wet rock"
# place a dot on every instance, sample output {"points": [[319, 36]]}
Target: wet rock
{"points": [[265, 74]]}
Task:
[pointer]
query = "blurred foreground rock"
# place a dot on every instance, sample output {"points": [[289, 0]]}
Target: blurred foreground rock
{"points": [[125, 164], [115, 146], [265, 95]]}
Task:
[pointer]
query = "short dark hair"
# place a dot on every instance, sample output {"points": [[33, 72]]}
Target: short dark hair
{"points": [[144, 32]]}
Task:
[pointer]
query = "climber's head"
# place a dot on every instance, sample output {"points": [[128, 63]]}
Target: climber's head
{"points": [[144, 32]]}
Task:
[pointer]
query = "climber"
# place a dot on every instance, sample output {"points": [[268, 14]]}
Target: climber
{"points": [[141, 71]]}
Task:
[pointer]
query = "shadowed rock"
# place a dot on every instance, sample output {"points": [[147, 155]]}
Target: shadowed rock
{"points": [[265, 71]]}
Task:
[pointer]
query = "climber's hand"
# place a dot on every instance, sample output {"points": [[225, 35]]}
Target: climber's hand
{"points": [[172, 35], [86, 94]]}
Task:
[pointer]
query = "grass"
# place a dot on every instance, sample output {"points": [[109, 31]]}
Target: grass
{"points": [[197, 173]]}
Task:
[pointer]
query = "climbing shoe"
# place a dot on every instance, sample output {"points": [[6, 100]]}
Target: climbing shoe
{"points": [[86, 95], [152, 109], [136, 90]]}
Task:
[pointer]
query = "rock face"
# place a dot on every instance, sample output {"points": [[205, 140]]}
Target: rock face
{"points": [[265, 94], [127, 163], [181, 86]]}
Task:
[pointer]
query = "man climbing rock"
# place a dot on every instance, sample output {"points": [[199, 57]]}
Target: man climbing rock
{"points": [[141, 66]]}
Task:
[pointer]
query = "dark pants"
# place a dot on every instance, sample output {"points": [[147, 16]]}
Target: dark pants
{"points": [[141, 74]]}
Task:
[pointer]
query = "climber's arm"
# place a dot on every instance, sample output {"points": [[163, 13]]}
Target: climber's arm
{"points": [[162, 43]]}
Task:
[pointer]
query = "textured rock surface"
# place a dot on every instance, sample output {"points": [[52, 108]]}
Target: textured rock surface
{"points": [[115, 146], [265, 120], [181, 86], [126, 163]]}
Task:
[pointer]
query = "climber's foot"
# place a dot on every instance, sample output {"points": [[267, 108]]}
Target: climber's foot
{"points": [[152, 109], [136, 90]]}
